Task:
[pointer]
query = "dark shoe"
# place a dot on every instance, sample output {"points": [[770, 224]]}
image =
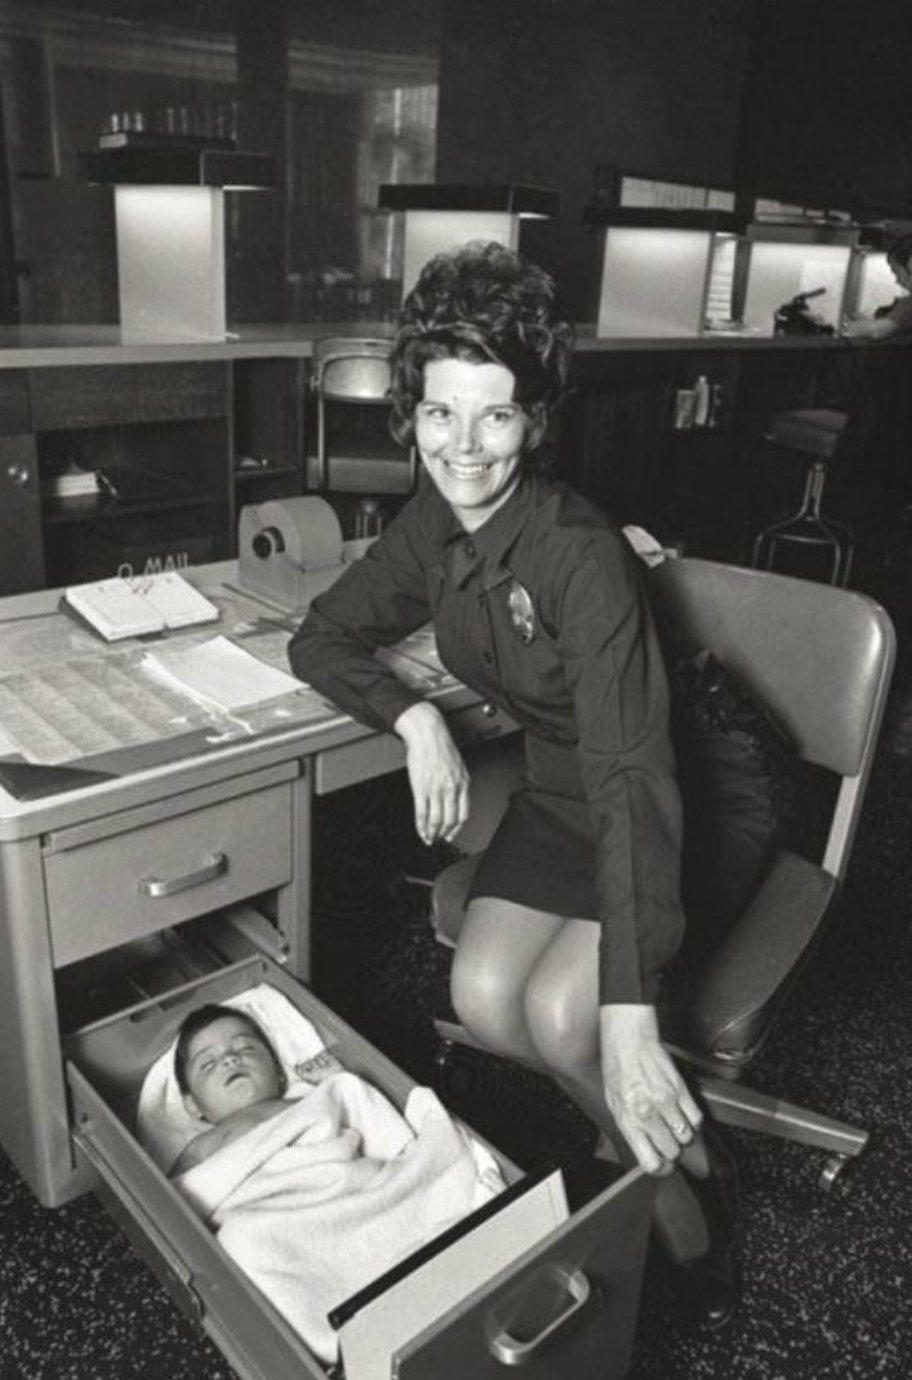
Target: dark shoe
{"points": [[709, 1286]]}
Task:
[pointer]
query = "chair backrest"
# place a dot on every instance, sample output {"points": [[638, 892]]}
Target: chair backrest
{"points": [[356, 370], [818, 656], [352, 369]]}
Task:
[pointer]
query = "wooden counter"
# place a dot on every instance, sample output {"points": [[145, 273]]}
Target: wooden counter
{"points": [[29, 347], [195, 429]]}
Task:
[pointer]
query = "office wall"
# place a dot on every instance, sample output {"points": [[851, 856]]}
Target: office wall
{"points": [[829, 120], [543, 91]]}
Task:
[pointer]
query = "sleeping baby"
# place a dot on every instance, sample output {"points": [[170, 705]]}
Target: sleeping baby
{"points": [[230, 1077], [315, 1183]]}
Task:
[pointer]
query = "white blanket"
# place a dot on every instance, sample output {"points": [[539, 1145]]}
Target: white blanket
{"points": [[317, 1202]]}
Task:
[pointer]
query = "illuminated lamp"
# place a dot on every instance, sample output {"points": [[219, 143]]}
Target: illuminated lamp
{"points": [[170, 219], [440, 217], [664, 272]]}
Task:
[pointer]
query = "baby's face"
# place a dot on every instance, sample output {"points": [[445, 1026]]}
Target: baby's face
{"points": [[229, 1067]]}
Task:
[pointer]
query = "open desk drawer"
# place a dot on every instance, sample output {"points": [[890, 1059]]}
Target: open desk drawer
{"points": [[566, 1307]]}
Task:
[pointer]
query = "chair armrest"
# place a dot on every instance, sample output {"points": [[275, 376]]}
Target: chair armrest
{"points": [[448, 898], [726, 1009]]}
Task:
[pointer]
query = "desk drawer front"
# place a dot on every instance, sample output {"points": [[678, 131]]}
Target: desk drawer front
{"points": [[115, 889], [15, 416]]}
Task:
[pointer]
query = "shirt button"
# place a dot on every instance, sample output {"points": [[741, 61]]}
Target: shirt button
{"points": [[469, 549], [486, 657]]}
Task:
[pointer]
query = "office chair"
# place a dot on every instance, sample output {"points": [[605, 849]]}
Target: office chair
{"points": [[820, 659], [352, 373], [814, 433]]}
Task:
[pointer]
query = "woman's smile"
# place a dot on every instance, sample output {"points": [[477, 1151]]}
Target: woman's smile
{"points": [[460, 470], [471, 435]]}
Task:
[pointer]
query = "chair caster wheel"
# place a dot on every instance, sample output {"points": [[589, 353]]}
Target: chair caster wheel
{"points": [[831, 1172], [455, 1080]]}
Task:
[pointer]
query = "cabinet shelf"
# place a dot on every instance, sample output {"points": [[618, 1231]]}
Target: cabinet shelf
{"points": [[127, 490], [251, 473], [58, 511]]}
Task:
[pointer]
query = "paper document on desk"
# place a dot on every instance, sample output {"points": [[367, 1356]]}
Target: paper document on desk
{"points": [[219, 674], [67, 709]]}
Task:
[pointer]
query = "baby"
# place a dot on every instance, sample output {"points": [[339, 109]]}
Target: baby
{"points": [[229, 1075]]}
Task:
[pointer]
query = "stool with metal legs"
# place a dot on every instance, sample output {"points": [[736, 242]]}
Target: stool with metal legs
{"points": [[814, 432]]}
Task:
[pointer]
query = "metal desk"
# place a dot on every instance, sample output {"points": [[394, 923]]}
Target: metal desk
{"points": [[187, 825]]}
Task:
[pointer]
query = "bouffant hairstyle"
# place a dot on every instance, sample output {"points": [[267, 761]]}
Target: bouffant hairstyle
{"points": [[900, 251], [201, 1019], [485, 304]]}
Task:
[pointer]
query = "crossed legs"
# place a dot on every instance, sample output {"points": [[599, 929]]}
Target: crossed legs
{"points": [[525, 985]]}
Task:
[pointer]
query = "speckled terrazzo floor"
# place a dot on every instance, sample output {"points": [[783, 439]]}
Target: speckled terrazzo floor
{"points": [[828, 1278]]}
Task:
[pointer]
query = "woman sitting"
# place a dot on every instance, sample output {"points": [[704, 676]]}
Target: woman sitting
{"points": [[538, 604]]}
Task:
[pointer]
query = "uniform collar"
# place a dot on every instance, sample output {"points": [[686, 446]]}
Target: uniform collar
{"points": [[484, 552]]}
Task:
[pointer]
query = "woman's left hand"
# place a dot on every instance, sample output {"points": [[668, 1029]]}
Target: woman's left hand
{"points": [[644, 1091]]}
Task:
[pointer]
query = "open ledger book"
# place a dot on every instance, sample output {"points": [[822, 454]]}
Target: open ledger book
{"points": [[134, 607]]}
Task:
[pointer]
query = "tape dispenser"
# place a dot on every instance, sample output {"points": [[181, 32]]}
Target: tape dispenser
{"points": [[289, 550]]}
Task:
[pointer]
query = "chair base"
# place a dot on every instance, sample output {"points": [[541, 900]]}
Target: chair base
{"points": [[750, 1110], [821, 536], [808, 529], [731, 1104]]}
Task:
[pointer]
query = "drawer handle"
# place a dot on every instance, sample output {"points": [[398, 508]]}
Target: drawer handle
{"points": [[155, 887], [511, 1351]]}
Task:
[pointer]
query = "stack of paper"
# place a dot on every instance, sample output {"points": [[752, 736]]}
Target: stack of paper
{"points": [[219, 674]]}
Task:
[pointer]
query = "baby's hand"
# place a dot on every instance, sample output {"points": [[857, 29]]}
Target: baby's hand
{"points": [[321, 1066]]}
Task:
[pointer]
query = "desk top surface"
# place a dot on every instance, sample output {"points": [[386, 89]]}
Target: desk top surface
{"points": [[86, 728]]}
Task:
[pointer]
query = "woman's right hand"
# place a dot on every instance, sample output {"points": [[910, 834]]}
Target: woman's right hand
{"points": [[436, 771]]}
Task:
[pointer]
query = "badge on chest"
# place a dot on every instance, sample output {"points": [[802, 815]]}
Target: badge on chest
{"points": [[522, 612]]}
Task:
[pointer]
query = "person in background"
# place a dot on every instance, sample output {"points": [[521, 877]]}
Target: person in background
{"points": [[539, 604], [895, 320]]}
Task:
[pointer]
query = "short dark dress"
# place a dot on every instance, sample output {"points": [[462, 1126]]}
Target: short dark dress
{"points": [[542, 854]]}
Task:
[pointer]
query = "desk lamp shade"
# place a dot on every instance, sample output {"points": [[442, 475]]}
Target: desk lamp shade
{"points": [[441, 217], [170, 216], [663, 273]]}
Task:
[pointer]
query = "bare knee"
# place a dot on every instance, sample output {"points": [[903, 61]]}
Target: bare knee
{"points": [[563, 1029], [488, 1000]]}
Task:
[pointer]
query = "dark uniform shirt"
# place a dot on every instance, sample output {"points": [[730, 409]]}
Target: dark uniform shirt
{"points": [[542, 611]]}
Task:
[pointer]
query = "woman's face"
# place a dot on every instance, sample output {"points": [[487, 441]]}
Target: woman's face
{"points": [[471, 435]]}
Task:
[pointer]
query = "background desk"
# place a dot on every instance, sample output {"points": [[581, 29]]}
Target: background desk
{"points": [[85, 870]]}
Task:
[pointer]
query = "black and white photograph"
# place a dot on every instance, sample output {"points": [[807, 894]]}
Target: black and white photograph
{"points": [[455, 689]]}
